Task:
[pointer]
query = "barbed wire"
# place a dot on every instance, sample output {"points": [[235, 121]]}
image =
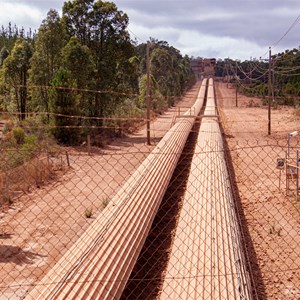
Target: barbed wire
{"points": [[74, 116], [117, 93], [74, 89]]}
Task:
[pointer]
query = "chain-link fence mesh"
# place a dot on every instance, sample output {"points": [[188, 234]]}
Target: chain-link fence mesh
{"points": [[213, 218], [219, 233]]}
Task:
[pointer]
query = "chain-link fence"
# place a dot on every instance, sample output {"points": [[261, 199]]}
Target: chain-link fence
{"points": [[206, 248]]}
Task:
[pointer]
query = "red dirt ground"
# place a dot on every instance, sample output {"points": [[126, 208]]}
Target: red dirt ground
{"points": [[41, 225], [272, 218]]}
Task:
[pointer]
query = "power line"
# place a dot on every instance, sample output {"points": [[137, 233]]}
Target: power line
{"points": [[284, 35], [143, 41], [246, 74], [287, 32]]}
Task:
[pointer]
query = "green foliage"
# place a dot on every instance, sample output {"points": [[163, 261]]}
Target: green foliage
{"points": [[27, 150], [253, 75], [38, 126], [47, 59], [16, 67], [171, 75], [21, 144], [19, 135], [9, 35], [122, 118], [102, 27], [78, 60], [4, 53], [87, 49], [64, 103], [29, 147]]}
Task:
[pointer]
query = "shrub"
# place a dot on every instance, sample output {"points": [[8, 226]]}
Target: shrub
{"points": [[25, 152], [19, 135]]}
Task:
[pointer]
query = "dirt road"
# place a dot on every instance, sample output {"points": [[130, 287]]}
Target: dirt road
{"points": [[40, 226], [271, 217]]}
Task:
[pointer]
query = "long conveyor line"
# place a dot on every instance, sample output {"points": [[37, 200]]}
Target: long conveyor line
{"points": [[206, 260], [98, 265]]}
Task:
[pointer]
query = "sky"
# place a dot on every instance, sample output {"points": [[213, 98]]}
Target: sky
{"points": [[238, 29]]}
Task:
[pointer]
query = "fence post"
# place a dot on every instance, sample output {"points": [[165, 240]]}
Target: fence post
{"points": [[6, 188], [68, 160], [89, 144], [1, 188], [287, 183], [38, 171], [297, 174]]}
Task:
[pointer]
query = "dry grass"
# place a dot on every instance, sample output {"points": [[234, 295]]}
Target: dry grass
{"points": [[22, 178]]}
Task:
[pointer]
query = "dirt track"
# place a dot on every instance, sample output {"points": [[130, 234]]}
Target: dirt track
{"points": [[272, 218]]}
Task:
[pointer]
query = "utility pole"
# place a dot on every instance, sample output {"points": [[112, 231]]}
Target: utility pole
{"points": [[148, 92], [236, 85], [250, 70], [273, 80], [269, 94], [226, 67]]}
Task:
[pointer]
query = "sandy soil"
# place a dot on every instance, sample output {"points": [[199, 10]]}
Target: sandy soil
{"points": [[40, 226], [272, 218]]}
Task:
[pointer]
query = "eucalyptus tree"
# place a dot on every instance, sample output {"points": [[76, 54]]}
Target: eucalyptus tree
{"points": [[15, 70], [162, 68], [47, 58], [8, 36], [101, 27], [171, 71], [287, 76], [64, 103], [186, 74], [4, 53], [77, 59]]}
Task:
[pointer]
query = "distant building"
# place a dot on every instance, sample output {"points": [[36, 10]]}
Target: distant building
{"points": [[203, 67], [208, 67], [196, 64]]}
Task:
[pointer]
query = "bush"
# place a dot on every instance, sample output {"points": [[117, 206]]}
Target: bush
{"points": [[25, 152], [19, 146], [19, 135]]}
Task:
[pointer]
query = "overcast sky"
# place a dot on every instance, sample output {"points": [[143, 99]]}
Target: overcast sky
{"points": [[238, 29]]}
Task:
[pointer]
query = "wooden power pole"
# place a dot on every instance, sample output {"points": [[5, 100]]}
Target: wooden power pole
{"points": [[236, 85], [269, 93], [148, 92]]}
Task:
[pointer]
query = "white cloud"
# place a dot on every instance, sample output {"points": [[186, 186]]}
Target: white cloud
{"points": [[234, 28], [205, 45], [197, 44], [20, 14], [215, 16], [284, 11]]}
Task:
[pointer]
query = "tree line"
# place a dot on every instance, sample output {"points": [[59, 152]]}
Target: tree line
{"points": [[84, 63], [253, 76]]}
